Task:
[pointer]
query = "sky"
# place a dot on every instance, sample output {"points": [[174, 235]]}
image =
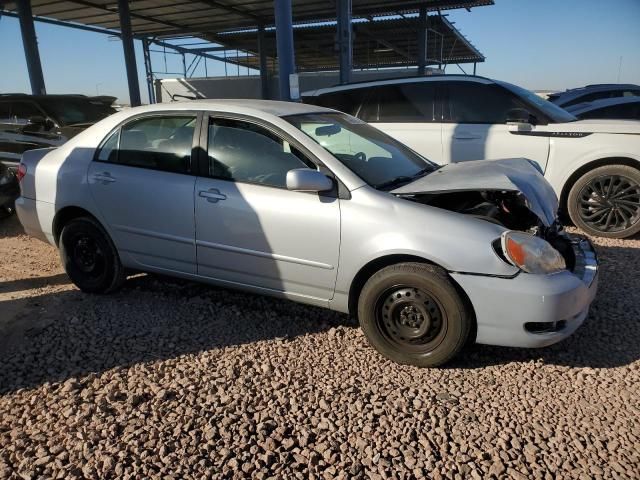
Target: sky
{"points": [[538, 44]]}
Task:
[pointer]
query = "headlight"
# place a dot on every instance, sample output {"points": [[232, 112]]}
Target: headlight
{"points": [[531, 254]]}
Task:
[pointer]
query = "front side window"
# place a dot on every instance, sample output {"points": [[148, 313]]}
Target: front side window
{"points": [[158, 143], [628, 111], [555, 113], [374, 156], [403, 102], [24, 110], [472, 102], [245, 152]]}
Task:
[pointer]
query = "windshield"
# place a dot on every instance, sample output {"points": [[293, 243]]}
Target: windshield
{"points": [[375, 157], [75, 110], [553, 111]]}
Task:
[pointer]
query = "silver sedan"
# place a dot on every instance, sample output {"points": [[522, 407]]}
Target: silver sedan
{"points": [[316, 206]]}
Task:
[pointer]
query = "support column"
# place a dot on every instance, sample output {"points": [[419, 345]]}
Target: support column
{"points": [[264, 67], [284, 41], [30, 44], [148, 69], [345, 44], [422, 40], [474, 68], [129, 52]]}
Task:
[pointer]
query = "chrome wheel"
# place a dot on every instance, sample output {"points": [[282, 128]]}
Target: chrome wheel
{"points": [[610, 203]]}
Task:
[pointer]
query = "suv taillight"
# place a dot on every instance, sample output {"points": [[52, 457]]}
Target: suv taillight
{"points": [[22, 171]]}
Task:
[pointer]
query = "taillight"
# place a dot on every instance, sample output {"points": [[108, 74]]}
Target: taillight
{"points": [[22, 171]]}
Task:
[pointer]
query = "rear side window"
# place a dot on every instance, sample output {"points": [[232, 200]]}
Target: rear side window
{"points": [[471, 102], [347, 101], [590, 97], [408, 102], [245, 152], [158, 143]]}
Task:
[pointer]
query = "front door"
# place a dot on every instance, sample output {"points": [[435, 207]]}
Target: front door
{"points": [[475, 126], [251, 230], [143, 186]]}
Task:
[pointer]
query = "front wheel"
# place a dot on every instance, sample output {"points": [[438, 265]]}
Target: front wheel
{"points": [[412, 314], [605, 202], [89, 256]]}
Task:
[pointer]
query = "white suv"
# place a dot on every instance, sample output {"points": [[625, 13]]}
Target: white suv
{"points": [[593, 165]]}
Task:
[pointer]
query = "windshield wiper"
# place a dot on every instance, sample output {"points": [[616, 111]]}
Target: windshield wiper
{"points": [[403, 178]]}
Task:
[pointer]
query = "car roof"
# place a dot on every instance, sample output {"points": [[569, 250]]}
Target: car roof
{"points": [[572, 93], [247, 106], [603, 102], [398, 80]]}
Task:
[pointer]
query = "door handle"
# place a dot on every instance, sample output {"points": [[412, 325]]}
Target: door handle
{"points": [[466, 136], [104, 177], [212, 195]]}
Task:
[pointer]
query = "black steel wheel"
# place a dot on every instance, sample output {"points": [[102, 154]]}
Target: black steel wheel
{"points": [[606, 202], [413, 314], [89, 256]]}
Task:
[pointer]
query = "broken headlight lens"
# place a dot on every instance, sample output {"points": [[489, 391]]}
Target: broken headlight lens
{"points": [[531, 254]]}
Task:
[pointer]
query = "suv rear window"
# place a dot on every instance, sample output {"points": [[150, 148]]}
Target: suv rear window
{"points": [[76, 110]]}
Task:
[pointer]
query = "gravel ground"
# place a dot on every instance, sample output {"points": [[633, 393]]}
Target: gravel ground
{"points": [[178, 380]]}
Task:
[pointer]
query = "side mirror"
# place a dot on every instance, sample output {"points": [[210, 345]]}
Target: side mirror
{"points": [[308, 180], [521, 115]]}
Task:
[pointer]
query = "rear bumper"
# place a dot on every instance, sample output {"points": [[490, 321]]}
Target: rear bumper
{"points": [[533, 310], [36, 218]]}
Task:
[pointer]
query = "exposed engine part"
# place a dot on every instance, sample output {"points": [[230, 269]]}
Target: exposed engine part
{"points": [[506, 208]]}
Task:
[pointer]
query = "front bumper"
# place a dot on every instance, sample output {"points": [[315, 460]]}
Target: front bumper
{"points": [[533, 310]]}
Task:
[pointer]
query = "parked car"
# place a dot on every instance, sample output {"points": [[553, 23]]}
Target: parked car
{"points": [[622, 108], [9, 190], [39, 121], [593, 165], [316, 206], [593, 92]]}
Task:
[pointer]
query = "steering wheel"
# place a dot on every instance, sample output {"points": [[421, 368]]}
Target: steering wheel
{"points": [[361, 156]]}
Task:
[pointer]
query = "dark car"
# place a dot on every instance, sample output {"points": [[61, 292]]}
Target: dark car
{"points": [[40, 121], [621, 108], [9, 190], [591, 93]]}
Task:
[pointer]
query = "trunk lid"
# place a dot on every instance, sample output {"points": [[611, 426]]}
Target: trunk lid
{"points": [[510, 175]]}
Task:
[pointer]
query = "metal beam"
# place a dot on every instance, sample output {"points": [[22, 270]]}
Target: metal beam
{"points": [[264, 67], [284, 42], [30, 44], [422, 40], [148, 68], [345, 39], [129, 52]]}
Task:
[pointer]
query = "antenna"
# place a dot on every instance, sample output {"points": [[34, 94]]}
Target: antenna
{"points": [[619, 68]]}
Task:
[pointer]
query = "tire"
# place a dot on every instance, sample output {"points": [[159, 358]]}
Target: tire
{"points": [[605, 202], [89, 256], [412, 314]]}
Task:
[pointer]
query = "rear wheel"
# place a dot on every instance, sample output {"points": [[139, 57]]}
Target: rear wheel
{"points": [[605, 202], [413, 314], [89, 256]]}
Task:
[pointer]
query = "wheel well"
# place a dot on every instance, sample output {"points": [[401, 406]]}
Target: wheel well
{"points": [[64, 216], [590, 166], [379, 263]]}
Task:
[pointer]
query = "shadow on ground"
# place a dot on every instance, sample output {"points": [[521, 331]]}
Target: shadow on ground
{"points": [[60, 335]]}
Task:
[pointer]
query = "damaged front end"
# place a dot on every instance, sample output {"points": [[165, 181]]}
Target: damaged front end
{"points": [[511, 193]]}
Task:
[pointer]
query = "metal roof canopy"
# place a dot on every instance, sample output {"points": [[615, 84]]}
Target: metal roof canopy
{"points": [[376, 44], [215, 20], [181, 17]]}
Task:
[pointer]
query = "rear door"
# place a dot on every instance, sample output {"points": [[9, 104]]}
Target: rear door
{"points": [[251, 230], [142, 182], [409, 112], [475, 126]]}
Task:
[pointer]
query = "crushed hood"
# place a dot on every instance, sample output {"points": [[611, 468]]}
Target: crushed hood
{"points": [[513, 174]]}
